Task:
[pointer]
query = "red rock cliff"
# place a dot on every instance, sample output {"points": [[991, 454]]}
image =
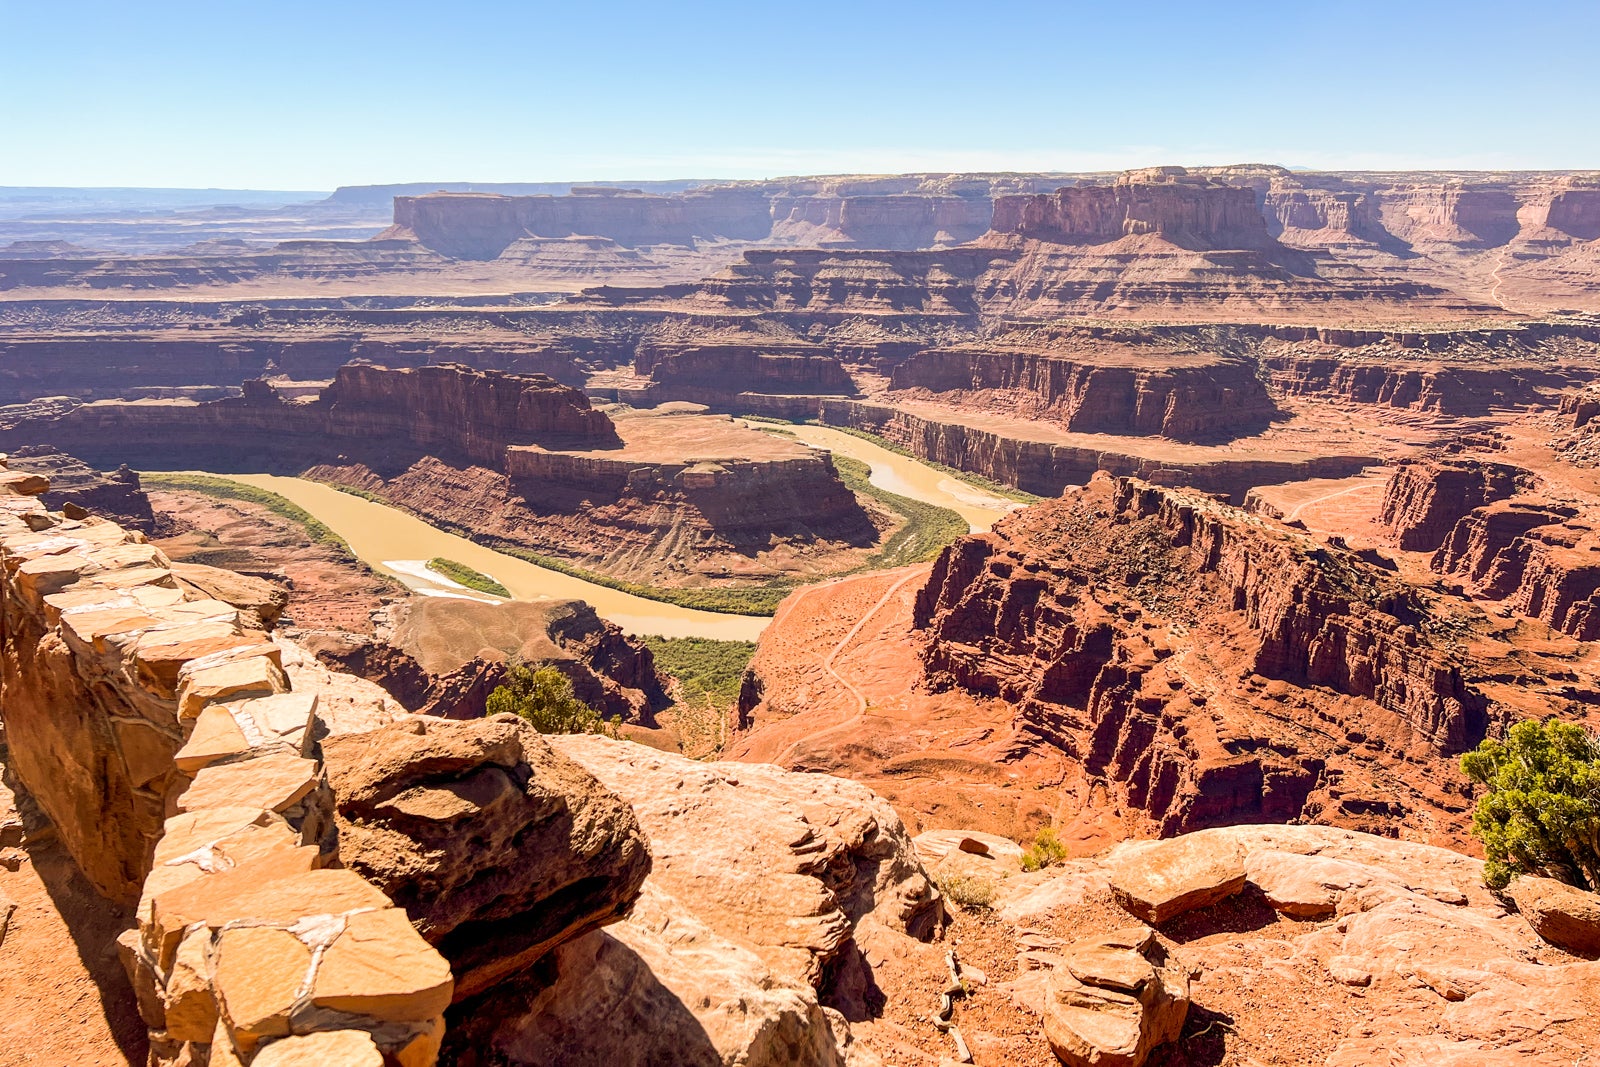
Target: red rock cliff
{"points": [[1494, 527], [1192, 397], [1211, 666], [1189, 212]]}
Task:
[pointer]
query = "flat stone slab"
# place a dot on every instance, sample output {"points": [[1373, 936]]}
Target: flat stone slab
{"points": [[1159, 880]]}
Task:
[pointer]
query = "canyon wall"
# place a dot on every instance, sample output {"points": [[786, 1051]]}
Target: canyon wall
{"points": [[385, 415], [1189, 397], [888, 211], [1045, 468], [1185, 211], [1209, 666], [1497, 529]]}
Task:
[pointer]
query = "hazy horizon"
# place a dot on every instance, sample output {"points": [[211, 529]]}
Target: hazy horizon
{"points": [[300, 96]]}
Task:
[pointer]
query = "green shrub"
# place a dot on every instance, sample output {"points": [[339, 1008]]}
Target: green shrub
{"points": [[1047, 851], [708, 672], [928, 528], [462, 574], [544, 698], [968, 890], [1541, 814]]}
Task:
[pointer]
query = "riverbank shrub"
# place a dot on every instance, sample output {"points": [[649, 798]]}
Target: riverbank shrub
{"points": [[543, 697], [462, 574], [708, 672]]}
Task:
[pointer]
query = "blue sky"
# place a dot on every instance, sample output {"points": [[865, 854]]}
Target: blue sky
{"points": [[302, 95]]}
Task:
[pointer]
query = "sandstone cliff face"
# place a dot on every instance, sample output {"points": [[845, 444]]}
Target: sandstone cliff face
{"points": [[185, 761], [1492, 526], [1426, 386], [1126, 622], [1188, 399], [1423, 502], [1187, 212], [453, 410], [702, 372], [1046, 469], [383, 414], [891, 212]]}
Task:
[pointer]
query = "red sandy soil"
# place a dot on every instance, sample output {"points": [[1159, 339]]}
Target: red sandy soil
{"points": [[67, 1000]]}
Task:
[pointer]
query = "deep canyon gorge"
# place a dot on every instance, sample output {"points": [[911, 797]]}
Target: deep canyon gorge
{"points": [[1101, 576]]}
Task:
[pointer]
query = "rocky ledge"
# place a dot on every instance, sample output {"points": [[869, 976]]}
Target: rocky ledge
{"points": [[323, 878]]}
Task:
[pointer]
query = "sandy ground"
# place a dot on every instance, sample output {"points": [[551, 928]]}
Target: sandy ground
{"points": [[64, 999]]}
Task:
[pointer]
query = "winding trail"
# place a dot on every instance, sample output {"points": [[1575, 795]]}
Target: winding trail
{"points": [[1499, 264], [827, 665], [1298, 508]]}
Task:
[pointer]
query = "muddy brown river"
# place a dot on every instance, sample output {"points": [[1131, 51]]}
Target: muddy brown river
{"points": [[399, 544]]}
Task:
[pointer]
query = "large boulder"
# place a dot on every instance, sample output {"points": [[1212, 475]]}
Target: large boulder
{"points": [[1113, 999], [498, 847], [1158, 880], [658, 988], [1566, 917], [772, 894]]}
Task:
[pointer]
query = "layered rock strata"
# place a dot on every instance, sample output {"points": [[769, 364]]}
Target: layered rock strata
{"points": [[114, 495], [385, 416], [177, 758], [1187, 397], [185, 761], [1046, 467], [529, 458], [1208, 665], [1496, 528]]}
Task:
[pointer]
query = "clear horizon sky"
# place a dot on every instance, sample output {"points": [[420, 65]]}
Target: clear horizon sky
{"points": [[300, 95]]}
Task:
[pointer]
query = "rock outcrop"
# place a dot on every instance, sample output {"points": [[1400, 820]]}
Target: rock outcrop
{"points": [[1209, 665], [1567, 917], [770, 893], [1114, 998], [1496, 528], [1096, 389], [498, 848], [1406, 954], [185, 761], [114, 495]]}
